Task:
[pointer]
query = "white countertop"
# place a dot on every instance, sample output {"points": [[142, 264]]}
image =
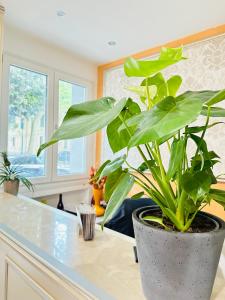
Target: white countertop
{"points": [[105, 266]]}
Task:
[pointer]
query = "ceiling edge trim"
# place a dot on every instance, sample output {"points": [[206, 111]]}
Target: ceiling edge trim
{"points": [[189, 39]]}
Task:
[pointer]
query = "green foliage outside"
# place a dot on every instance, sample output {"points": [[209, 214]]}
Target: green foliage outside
{"points": [[28, 100]]}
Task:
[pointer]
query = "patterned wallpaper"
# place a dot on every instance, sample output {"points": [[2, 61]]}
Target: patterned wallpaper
{"points": [[204, 69]]}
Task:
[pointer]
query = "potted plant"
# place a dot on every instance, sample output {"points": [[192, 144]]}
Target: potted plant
{"points": [[178, 245], [97, 189], [10, 176]]}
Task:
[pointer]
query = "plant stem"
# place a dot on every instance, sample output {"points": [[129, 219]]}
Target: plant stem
{"points": [[148, 95], [164, 184], [168, 145], [203, 132], [148, 150], [180, 209], [162, 170], [150, 193], [165, 181], [142, 174]]}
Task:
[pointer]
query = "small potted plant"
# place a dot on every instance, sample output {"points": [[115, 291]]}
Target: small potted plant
{"points": [[178, 245], [10, 176], [97, 189]]}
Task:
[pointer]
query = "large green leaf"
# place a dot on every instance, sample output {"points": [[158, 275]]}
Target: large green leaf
{"points": [[119, 194], [214, 111], [118, 139], [165, 118], [196, 184], [146, 68], [86, 118], [133, 121], [113, 166], [176, 157]]}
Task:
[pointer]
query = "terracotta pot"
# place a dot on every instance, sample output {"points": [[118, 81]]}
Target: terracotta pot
{"points": [[176, 265], [11, 187]]}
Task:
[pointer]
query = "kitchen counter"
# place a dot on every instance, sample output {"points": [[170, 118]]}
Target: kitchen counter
{"points": [[100, 269]]}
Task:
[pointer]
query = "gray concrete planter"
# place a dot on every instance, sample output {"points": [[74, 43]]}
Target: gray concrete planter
{"points": [[176, 265], [11, 187]]}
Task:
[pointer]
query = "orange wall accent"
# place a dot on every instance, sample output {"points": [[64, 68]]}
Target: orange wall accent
{"points": [[98, 134], [190, 39]]}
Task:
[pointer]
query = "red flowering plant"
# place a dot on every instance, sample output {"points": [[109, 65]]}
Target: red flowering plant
{"points": [[95, 180]]}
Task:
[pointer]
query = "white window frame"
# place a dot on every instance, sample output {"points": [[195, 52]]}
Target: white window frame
{"points": [[89, 140], [53, 77], [20, 63]]}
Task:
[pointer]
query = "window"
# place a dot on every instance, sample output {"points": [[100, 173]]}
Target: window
{"points": [[71, 154], [35, 101], [26, 110]]}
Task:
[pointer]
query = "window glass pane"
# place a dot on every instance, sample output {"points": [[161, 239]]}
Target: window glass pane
{"points": [[71, 154], [27, 119]]}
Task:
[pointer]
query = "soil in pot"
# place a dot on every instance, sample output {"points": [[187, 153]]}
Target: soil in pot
{"points": [[200, 224]]}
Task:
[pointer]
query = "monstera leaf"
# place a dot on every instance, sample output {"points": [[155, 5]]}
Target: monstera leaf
{"points": [[146, 68], [86, 118], [165, 118], [118, 139]]}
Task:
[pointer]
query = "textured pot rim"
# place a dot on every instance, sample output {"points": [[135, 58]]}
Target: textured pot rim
{"points": [[187, 234]]}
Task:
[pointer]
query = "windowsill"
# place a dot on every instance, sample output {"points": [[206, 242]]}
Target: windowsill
{"points": [[54, 188]]}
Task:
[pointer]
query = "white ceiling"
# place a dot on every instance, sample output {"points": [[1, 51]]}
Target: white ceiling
{"points": [[134, 24]]}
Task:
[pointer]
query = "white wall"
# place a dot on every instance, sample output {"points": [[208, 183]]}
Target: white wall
{"points": [[25, 46], [71, 200]]}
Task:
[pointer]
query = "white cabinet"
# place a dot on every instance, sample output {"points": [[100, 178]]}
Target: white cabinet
{"points": [[23, 277], [20, 286]]}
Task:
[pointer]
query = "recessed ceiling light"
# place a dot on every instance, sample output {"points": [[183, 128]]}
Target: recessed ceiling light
{"points": [[112, 43], [60, 13]]}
